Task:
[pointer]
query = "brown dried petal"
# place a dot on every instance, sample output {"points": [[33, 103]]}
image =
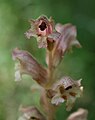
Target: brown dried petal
{"points": [[28, 65]]}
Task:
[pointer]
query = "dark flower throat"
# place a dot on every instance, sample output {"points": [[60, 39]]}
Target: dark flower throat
{"points": [[42, 26]]}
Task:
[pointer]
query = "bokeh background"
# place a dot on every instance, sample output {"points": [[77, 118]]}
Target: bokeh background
{"points": [[14, 16]]}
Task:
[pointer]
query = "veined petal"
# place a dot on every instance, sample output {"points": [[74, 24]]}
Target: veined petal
{"points": [[68, 37], [64, 41], [28, 65]]}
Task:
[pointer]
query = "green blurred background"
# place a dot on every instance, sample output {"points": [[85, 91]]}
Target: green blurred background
{"points": [[14, 16]]}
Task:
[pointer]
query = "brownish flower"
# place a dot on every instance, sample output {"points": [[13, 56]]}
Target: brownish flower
{"points": [[40, 28], [66, 90], [28, 65]]}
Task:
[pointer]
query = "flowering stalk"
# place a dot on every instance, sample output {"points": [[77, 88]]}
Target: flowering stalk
{"points": [[57, 40]]}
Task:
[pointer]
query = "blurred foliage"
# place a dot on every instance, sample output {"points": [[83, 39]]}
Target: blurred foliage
{"points": [[14, 16]]}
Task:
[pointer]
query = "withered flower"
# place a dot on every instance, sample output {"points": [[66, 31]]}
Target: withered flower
{"points": [[31, 113], [66, 90], [40, 28], [65, 38], [28, 65]]}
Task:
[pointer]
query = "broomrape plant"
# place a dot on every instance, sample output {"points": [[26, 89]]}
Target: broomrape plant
{"points": [[57, 39]]}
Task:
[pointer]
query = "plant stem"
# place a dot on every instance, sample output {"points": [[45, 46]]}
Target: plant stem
{"points": [[51, 116], [50, 70]]}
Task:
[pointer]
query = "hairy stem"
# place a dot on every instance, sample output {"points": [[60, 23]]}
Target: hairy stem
{"points": [[50, 70]]}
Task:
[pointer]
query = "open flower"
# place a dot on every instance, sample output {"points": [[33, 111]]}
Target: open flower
{"points": [[28, 65], [66, 90], [40, 28]]}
